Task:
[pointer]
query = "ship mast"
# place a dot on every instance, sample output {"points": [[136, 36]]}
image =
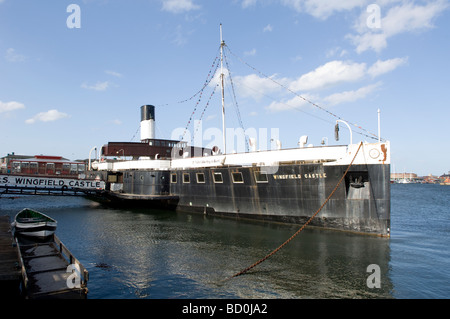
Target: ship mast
{"points": [[222, 44]]}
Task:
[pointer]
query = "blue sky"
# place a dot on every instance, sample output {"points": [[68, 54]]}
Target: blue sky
{"points": [[67, 87]]}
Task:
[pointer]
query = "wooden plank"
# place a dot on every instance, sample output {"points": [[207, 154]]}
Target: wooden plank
{"points": [[9, 261], [10, 271]]}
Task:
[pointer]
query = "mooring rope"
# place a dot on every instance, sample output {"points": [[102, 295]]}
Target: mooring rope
{"points": [[303, 227]]}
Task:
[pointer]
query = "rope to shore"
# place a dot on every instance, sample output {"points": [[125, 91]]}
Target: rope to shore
{"points": [[303, 227]]}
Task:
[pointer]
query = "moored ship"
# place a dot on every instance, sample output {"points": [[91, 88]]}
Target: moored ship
{"points": [[283, 185], [286, 185]]}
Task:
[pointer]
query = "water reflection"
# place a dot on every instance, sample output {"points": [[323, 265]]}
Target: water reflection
{"points": [[170, 255], [155, 254]]}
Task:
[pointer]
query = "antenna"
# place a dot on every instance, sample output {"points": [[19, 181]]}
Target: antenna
{"points": [[379, 127], [222, 44]]}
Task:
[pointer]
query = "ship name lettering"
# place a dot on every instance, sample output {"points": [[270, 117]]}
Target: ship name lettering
{"points": [[299, 176], [288, 176], [315, 175]]}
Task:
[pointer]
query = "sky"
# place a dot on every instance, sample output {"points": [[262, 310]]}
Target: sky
{"points": [[74, 74]]}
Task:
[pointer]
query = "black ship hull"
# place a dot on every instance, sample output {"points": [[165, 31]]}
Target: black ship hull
{"points": [[292, 193]]}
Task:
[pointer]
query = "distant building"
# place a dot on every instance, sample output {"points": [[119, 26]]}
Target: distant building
{"points": [[396, 177], [41, 165], [430, 179]]}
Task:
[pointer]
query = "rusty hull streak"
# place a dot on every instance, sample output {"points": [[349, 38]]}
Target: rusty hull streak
{"points": [[384, 150]]}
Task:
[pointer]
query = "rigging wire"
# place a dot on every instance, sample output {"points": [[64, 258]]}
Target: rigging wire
{"points": [[369, 134], [137, 131], [238, 113], [209, 77], [203, 113]]}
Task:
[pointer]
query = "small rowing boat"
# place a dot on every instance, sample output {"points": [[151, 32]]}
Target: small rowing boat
{"points": [[32, 223]]}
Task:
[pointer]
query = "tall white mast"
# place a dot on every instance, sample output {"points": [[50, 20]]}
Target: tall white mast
{"points": [[222, 44]]}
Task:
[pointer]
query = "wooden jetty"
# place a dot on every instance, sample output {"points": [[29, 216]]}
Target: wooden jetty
{"points": [[10, 270], [50, 271]]}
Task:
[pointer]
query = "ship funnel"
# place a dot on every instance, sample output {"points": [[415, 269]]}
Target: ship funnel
{"points": [[147, 122]]}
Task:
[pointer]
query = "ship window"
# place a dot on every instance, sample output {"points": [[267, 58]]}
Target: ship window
{"points": [[237, 177], [112, 178], [261, 177], [218, 178], [16, 167], [186, 178], [200, 178], [173, 178], [33, 167]]}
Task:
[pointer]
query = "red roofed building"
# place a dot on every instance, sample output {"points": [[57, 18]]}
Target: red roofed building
{"points": [[41, 165]]}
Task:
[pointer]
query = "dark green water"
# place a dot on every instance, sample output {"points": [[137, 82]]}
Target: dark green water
{"points": [[155, 254]]}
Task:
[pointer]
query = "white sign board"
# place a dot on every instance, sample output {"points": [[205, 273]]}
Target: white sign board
{"points": [[49, 182]]}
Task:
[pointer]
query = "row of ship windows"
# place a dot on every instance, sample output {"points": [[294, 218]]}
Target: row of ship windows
{"points": [[237, 178]]}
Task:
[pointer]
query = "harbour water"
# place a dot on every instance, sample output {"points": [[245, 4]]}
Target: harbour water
{"points": [[138, 253]]}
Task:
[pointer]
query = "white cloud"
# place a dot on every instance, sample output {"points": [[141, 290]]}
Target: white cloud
{"points": [[268, 28], [297, 58], [179, 6], [181, 35], [329, 74], [250, 53], [256, 87], [381, 67], [337, 51], [410, 17], [337, 72], [294, 103], [322, 9], [406, 17], [12, 56], [99, 86], [113, 73], [49, 116], [248, 3], [10, 106], [351, 96]]}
